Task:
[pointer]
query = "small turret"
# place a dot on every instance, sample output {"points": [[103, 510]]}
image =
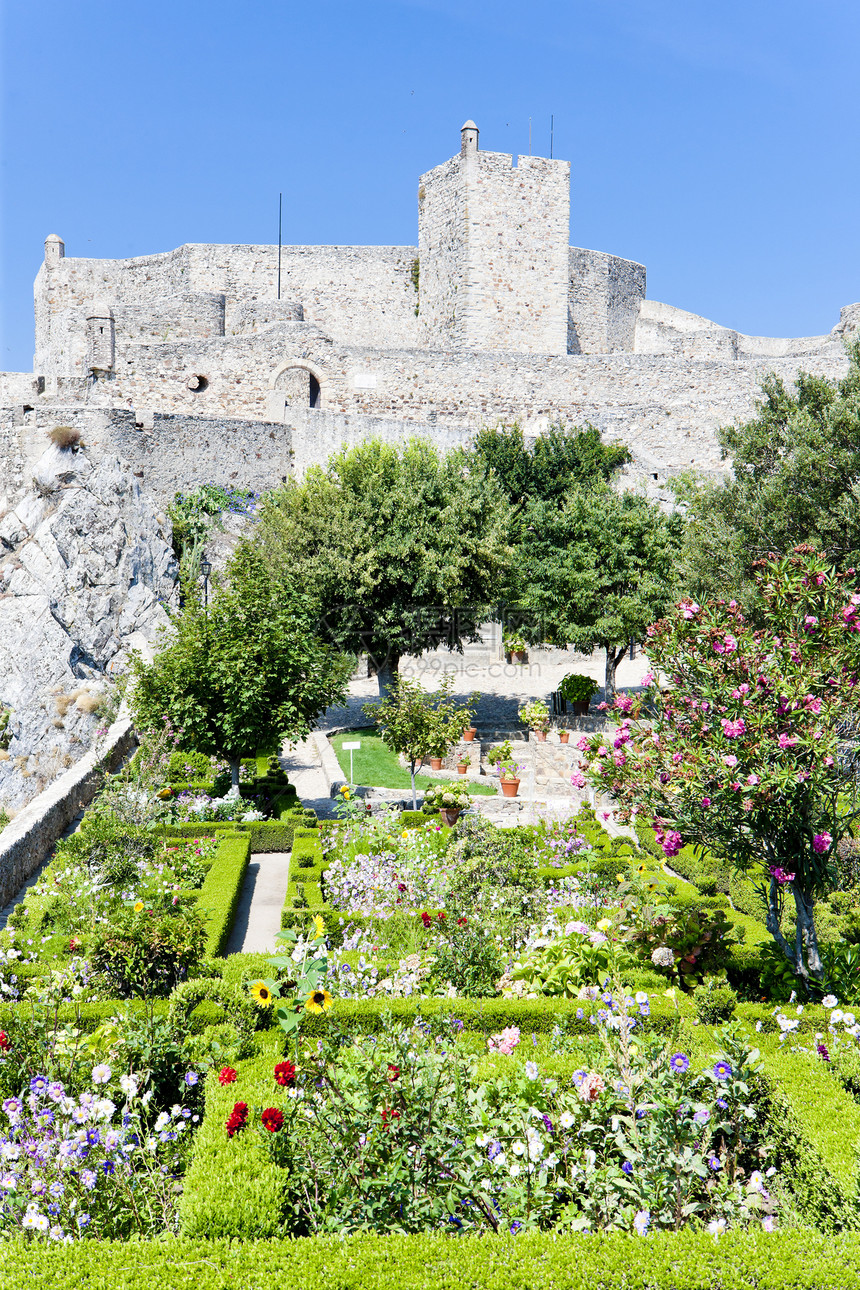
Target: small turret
{"points": [[55, 250], [469, 138]]}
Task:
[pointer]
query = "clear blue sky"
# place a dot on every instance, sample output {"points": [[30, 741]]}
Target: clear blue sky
{"points": [[715, 142]]}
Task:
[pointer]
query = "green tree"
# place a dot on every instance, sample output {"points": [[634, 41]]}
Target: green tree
{"points": [[596, 570], [560, 457], [404, 550], [414, 722], [794, 478], [245, 675]]}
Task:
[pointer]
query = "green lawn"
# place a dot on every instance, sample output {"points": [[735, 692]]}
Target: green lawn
{"points": [[375, 766]]}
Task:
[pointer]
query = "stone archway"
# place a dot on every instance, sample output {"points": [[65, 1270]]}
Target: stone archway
{"points": [[300, 383]]}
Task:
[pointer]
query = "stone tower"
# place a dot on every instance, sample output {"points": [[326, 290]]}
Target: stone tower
{"points": [[101, 342], [493, 236]]}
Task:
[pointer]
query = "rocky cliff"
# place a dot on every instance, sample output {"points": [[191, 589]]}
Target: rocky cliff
{"points": [[86, 565]]}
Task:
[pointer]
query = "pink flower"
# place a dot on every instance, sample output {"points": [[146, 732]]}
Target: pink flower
{"points": [[689, 608], [591, 1087], [822, 842], [505, 1042], [781, 876], [812, 704], [577, 779], [624, 703], [736, 786], [719, 647], [752, 780], [731, 729], [730, 759], [706, 801], [828, 761], [676, 758], [787, 741], [671, 843], [648, 678], [810, 622], [731, 643], [602, 750], [748, 804], [582, 743]]}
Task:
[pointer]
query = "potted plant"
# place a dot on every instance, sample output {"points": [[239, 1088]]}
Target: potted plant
{"points": [[536, 716], [435, 763], [578, 690], [449, 800], [509, 778], [516, 648], [469, 731], [501, 752], [463, 764], [563, 735]]}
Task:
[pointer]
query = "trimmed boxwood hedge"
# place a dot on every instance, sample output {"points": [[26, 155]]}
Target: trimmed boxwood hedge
{"points": [[751, 1260], [219, 895]]}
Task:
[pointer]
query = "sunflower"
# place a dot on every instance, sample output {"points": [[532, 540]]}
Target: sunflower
{"points": [[138, 906], [346, 793], [319, 925], [262, 994], [318, 1001]]}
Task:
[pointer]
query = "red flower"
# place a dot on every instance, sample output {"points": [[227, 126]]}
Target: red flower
{"points": [[425, 919], [388, 1117], [237, 1118], [393, 1072], [74, 944], [461, 922], [273, 1119], [441, 915], [285, 1073], [5, 1045], [227, 1075]]}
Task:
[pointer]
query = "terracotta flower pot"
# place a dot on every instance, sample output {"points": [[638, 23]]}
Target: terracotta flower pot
{"points": [[449, 815], [469, 733], [509, 787], [462, 767], [521, 656], [564, 737], [435, 763], [540, 735]]}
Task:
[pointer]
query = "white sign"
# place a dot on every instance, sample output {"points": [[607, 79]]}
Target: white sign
{"points": [[348, 747]]}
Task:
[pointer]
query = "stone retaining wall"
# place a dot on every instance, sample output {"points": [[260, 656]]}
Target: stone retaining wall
{"points": [[26, 842]]}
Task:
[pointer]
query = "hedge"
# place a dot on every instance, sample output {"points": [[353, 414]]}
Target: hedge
{"points": [[751, 1260], [89, 1016], [266, 835], [219, 895]]}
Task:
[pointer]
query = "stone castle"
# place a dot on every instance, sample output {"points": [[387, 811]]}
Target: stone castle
{"points": [[242, 364], [238, 364]]}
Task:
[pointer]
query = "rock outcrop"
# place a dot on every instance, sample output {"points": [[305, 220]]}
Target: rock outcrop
{"points": [[86, 566]]}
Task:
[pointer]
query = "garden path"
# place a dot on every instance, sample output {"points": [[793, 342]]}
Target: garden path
{"points": [[258, 914]]}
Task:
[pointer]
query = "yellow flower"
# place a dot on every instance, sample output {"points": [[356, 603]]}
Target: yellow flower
{"points": [[641, 868], [620, 877], [604, 924], [319, 925], [318, 1001], [405, 833], [670, 993], [262, 994], [634, 1049], [346, 793], [138, 906]]}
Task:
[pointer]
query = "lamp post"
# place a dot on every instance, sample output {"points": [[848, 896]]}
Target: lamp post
{"points": [[205, 569]]}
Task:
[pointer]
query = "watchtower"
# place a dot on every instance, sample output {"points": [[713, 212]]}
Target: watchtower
{"points": [[493, 237]]}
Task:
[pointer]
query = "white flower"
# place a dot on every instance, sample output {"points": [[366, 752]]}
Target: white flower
{"points": [[162, 1122], [515, 1170], [641, 996], [836, 1016], [829, 1001], [551, 1161], [531, 1070], [717, 1226], [104, 1108], [101, 1074], [128, 1084], [519, 1148], [663, 956], [481, 1140], [567, 1120], [848, 1019]]}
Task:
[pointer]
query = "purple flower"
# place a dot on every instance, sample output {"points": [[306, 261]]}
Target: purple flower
{"points": [[821, 842], [83, 1221], [93, 1137], [679, 1063], [55, 1091], [494, 1149], [548, 1124], [722, 1103], [823, 1053], [642, 1221], [38, 1084], [722, 1070], [13, 1107], [715, 1163], [88, 1179], [702, 1117], [191, 1078], [627, 1168], [515, 1227]]}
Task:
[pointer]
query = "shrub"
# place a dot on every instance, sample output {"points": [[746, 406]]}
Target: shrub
{"points": [[148, 952], [714, 1001], [188, 766], [64, 436]]}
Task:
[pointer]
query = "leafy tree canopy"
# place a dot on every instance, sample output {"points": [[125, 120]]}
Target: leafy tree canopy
{"points": [[245, 675], [795, 477], [556, 459], [404, 550], [596, 570]]}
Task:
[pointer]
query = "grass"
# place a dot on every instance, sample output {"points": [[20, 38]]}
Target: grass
{"points": [[375, 766]]}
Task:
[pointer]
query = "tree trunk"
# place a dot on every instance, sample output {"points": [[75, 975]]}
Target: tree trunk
{"points": [[808, 958], [234, 777], [412, 772], [386, 673], [612, 661]]}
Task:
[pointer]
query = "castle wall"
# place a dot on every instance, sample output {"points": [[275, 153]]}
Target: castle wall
{"points": [[442, 252], [604, 300]]}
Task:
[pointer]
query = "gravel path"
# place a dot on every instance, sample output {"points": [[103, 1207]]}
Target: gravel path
{"points": [[258, 915]]}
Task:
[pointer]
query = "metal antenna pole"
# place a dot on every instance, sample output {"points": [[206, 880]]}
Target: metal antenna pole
{"points": [[551, 130], [280, 209]]}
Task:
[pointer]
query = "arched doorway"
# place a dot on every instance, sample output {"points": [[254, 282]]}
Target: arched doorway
{"points": [[299, 383]]}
